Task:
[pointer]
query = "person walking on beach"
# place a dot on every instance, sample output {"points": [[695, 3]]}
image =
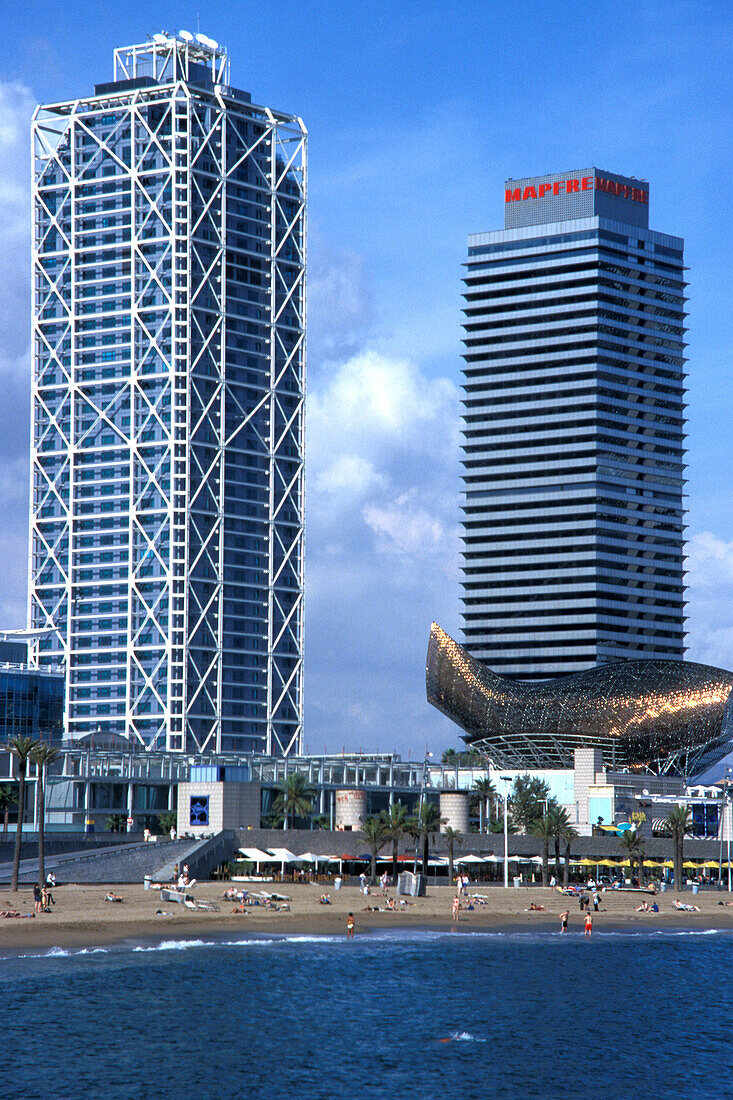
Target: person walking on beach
{"points": [[564, 922], [350, 927], [588, 923]]}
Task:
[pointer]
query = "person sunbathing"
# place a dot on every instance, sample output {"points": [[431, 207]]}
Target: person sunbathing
{"points": [[534, 908], [643, 908], [683, 907], [241, 909], [325, 899], [112, 897]]}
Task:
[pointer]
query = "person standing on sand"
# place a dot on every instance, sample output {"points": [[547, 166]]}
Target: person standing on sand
{"points": [[588, 923], [350, 927], [456, 906], [37, 898], [564, 922]]}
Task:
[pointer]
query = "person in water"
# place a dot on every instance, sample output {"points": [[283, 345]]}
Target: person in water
{"points": [[564, 922], [588, 923]]}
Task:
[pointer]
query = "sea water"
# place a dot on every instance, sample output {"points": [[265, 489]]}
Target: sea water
{"points": [[398, 1014]]}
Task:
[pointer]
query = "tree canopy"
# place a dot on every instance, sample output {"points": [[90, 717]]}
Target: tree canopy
{"points": [[530, 800]]}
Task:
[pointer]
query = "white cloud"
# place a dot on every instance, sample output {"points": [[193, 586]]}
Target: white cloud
{"points": [[373, 401], [382, 461], [709, 564], [709, 560], [348, 476], [339, 302], [409, 529], [16, 107]]}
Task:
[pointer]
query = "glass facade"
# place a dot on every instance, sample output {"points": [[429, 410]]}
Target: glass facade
{"points": [[652, 713], [31, 703], [574, 414], [168, 388]]}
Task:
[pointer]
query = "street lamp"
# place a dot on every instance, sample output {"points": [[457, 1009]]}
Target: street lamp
{"points": [[726, 812], [428, 758], [506, 779]]}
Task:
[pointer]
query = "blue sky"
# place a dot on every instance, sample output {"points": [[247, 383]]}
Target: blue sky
{"points": [[417, 112]]}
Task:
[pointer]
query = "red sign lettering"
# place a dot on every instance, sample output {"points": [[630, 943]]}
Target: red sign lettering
{"points": [[570, 187]]}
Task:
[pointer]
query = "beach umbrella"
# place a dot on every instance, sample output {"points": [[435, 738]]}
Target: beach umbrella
{"points": [[256, 856], [652, 863], [690, 865], [470, 859], [711, 863]]}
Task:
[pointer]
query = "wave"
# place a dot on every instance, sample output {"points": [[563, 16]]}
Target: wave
{"points": [[264, 941], [57, 953], [391, 937], [461, 1037]]}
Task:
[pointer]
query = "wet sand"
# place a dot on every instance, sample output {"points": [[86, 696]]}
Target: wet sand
{"points": [[82, 918]]}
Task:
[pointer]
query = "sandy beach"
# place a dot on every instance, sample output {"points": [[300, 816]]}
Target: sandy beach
{"points": [[82, 918]]}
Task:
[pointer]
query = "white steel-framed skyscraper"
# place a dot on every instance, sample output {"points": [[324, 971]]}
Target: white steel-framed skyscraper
{"points": [[169, 260], [574, 430]]}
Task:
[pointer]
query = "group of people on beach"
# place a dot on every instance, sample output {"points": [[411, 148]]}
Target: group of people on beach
{"points": [[43, 898], [587, 928]]}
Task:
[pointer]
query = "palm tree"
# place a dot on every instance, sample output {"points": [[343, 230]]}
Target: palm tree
{"points": [[487, 793], [544, 828], [676, 824], [167, 820], [116, 823], [424, 824], [395, 821], [295, 798], [22, 748], [633, 847], [452, 837], [8, 798], [374, 832], [42, 755]]}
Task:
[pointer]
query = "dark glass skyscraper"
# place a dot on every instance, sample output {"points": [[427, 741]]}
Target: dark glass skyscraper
{"points": [[574, 455], [168, 388]]}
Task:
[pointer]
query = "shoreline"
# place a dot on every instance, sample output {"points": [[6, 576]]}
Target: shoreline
{"points": [[82, 919]]}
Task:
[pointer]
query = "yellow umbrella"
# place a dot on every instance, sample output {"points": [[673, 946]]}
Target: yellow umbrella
{"points": [[689, 864], [608, 863], [624, 863], [667, 863], [588, 862], [652, 863], [711, 863]]}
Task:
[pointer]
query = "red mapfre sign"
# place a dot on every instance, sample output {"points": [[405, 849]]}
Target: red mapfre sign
{"points": [[568, 187]]}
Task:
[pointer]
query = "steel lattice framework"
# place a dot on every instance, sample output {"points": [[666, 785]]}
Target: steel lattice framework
{"points": [[169, 261]]}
